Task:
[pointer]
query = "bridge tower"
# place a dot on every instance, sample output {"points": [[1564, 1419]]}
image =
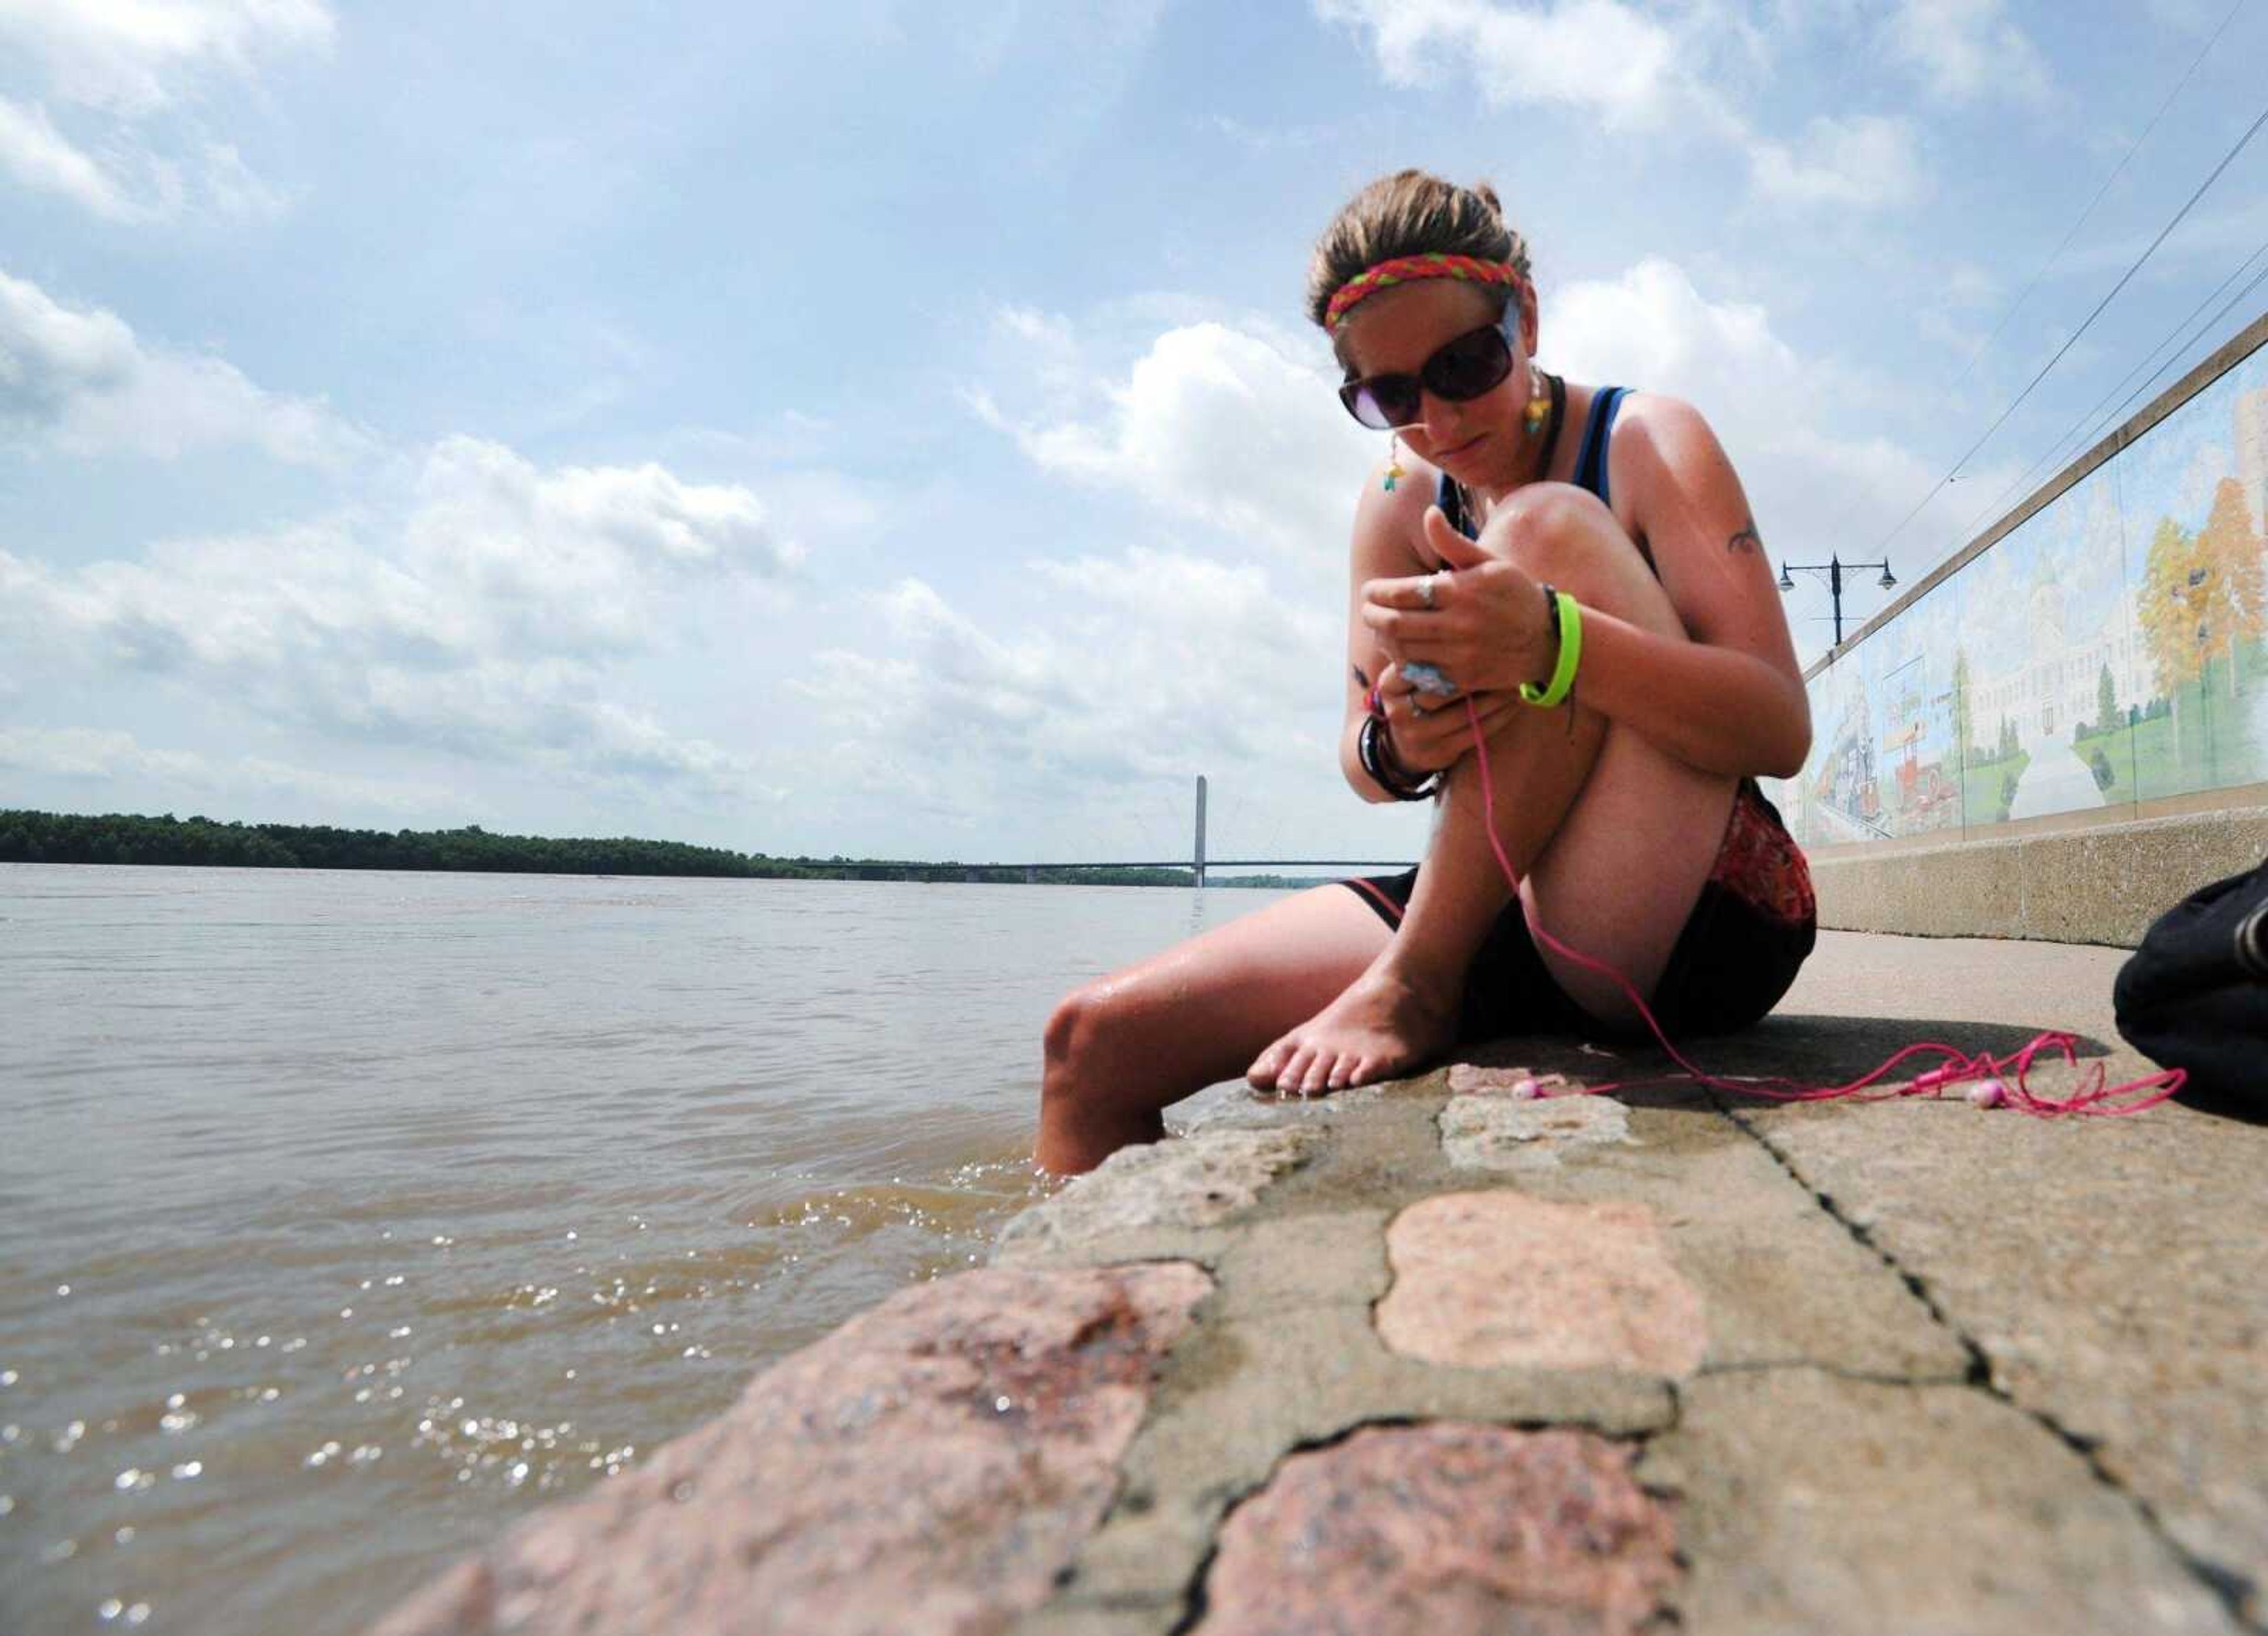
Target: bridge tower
{"points": [[1200, 853]]}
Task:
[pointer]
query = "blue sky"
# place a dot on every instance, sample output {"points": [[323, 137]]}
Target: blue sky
{"points": [[891, 429]]}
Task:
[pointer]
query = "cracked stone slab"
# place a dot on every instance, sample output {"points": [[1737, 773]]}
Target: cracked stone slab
{"points": [[1492, 1132], [1812, 1505], [1782, 1280], [1184, 1183], [2112, 1271], [1451, 1530], [927, 1470], [1246, 1390], [1499, 1278]]}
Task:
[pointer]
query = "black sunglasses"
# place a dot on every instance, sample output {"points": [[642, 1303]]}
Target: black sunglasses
{"points": [[1474, 363]]}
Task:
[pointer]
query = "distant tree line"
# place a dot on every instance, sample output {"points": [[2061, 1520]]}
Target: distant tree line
{"points": [[37, 837]]}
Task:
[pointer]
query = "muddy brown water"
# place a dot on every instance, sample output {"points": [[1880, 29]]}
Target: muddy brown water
{"points": [[346, 1217]]}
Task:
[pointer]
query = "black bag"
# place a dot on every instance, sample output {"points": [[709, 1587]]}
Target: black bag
{"points": [[2195, 994]]}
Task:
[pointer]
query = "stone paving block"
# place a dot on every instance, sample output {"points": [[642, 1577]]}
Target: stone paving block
{"points": [[1489, 1077], [1072, 1620], [1450, 1530], [2113, 1271], [1811, 1506], [1191, 1182], [1318, 1259], [1498, 1278], [1493, 1131], [929, 1468], [1782, 1280], [1246, 1109]]}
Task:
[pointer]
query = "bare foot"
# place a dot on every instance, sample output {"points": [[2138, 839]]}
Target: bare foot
{"points": [[1383, 1025]]}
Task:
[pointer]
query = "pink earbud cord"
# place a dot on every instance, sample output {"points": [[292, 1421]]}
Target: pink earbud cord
{"points": [[2000, 1080]]}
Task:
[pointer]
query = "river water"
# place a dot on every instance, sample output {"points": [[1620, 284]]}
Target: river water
{"points": [[346, 1217]]}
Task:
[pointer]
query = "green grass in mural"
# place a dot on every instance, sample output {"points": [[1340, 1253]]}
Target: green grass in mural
{"points": [[2205, 744], [1988, 787]]}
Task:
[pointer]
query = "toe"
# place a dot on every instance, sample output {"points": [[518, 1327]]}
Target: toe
{"points": [[1267, 1068]]}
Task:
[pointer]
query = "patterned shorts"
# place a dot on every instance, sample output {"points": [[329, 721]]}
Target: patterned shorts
{"points": [[1752, 929]]}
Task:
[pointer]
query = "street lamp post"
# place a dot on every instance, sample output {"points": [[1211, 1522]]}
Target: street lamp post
{"points": [[1833, 568]]}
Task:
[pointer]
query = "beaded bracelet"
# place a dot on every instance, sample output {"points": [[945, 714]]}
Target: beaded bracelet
{"points": [[1385, 770]]}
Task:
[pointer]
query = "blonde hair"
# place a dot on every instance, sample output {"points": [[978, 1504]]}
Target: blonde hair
{"points": [[1411, 213]]}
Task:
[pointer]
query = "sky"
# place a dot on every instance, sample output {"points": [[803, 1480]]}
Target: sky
{"points": [[891, 430]]}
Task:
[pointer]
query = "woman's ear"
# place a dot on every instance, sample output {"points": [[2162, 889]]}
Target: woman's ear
{"points": [[1528, 321]]}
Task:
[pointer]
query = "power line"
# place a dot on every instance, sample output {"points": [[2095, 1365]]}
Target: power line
{"points": [[2182, 345], [2125, 278], [2095, 419], [2179, 86]]}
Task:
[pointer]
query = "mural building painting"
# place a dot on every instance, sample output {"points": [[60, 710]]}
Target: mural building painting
{"points": [[2110, 650]]}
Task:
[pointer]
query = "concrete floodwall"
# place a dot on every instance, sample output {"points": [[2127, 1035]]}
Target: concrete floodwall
{"points": [[2098, 657]]}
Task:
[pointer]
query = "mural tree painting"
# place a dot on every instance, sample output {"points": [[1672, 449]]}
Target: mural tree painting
{"points": [[2229, 552], [2170, 576], [2106, 703]]}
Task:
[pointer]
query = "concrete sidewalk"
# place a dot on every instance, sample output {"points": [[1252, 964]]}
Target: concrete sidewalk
{"points": [[1432, 1357]]}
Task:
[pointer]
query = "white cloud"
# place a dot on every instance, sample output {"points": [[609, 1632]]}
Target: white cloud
{"points": [[1599, 54], [1152, 664], [42, 157], [1863, 162], [134, 57], [1813, 491], [159, 778], [1634, 69], [485, 618], [79, 379], [1150, 667], [567, 560], [1967, 50], [1214, 423], [130, 75], [93, 752]]}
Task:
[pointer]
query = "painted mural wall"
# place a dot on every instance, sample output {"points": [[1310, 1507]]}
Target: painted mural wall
{"points": [[2111, 651]]}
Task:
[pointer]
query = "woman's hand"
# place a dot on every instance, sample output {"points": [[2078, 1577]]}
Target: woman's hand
{"points": [[1482, 623], [1428, 732]]}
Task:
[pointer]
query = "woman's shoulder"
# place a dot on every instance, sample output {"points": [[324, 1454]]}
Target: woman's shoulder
{"points": [[1391, 512], [1668, 427]]}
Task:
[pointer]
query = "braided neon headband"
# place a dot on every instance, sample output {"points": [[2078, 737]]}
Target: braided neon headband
{"points": [[1406, 269]]}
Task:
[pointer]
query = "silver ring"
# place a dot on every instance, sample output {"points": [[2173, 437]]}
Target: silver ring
{"points": [[1426, 590], [1415, 709]]}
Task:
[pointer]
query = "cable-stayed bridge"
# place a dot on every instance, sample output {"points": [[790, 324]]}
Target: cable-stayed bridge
{"points": [[1196, 862]]}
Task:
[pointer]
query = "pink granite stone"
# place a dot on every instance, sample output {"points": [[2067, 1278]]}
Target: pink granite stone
{"points": [[1499, 1278], [1474, 1079], [1448, 1530], [927, 1469]]}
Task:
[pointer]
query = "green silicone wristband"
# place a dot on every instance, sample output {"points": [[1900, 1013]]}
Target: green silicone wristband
{"points": [[1570, 654]]}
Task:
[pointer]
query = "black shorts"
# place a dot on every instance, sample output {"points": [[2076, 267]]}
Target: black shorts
{"points": [[1731, 963]]}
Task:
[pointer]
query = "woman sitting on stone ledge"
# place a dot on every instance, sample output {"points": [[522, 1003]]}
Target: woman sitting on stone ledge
{"points": [[1576, 564]]}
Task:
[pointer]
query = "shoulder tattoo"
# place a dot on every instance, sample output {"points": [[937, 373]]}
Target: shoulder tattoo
{"points": [[1746, 540]]}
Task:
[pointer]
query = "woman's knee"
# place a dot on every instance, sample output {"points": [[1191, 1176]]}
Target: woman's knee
{"points": [[1566, 537], [1544, 522], [1082, 1030]]}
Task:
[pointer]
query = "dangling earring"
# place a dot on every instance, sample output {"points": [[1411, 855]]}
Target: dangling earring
{"points": [[1394, 472], [1539, 401]]}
